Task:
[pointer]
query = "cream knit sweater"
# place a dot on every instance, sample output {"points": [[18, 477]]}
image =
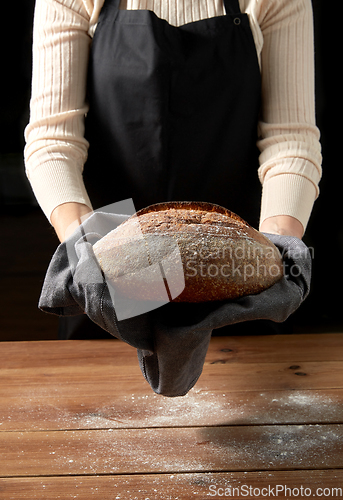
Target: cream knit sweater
{"points": [[290, 159]]}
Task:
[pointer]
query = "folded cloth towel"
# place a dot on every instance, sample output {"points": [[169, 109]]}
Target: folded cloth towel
{"points": [[171, 340]]}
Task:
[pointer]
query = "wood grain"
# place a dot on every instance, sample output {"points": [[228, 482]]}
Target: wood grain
{"points": [[111, 379], [98, 384], [175, 486], [270, 348], [78, 420], [256, 349], [197, 408], [145, 451]]}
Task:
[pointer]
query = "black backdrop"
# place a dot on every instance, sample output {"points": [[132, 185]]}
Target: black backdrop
{"points": [[323, 309]]}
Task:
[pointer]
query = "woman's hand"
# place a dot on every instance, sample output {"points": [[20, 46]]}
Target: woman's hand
{"points": [[283, 225], [66, 217]]}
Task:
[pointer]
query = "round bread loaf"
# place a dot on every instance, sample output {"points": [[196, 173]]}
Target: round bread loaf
{"points": [[191, 251]]}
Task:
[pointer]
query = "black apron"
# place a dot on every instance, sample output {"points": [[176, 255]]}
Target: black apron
{"points": [[173, 112]]}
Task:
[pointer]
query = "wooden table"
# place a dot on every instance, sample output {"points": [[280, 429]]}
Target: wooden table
{"points": [[77, 420]]}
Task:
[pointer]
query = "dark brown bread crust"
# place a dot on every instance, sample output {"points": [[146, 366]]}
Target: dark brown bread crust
{"points": [[190, 205], [210, 251]]}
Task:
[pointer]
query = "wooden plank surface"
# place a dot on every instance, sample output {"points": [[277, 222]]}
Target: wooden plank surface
{"points": [[98, 384], [198, 486], [271, 348], [198, 407], [144, 451], [264, 349], [111, 379], [78, 420]]}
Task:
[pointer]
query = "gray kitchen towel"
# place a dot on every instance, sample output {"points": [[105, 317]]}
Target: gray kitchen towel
{"points": [[171, 340]]}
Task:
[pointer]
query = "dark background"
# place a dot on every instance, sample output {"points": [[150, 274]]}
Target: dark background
{"points": [[28, 241]]}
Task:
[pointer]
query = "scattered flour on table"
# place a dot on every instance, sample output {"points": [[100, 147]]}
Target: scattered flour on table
{"points": [[197, 408]]}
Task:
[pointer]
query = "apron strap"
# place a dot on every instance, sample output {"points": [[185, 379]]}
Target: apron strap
{"points": [[109, 6], [232, 6]]}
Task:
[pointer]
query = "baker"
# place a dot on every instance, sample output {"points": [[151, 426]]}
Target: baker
{"points": [[174, 100]]}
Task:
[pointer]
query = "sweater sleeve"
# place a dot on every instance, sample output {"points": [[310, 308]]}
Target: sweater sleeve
{"points": [[56, 149], [290, 159]]}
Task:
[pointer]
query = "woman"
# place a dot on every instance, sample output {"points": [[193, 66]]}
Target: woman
{"points": [[177, 94]]}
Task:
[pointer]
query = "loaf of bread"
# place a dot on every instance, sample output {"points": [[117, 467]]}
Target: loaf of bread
{"points": [[189, 251]]}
